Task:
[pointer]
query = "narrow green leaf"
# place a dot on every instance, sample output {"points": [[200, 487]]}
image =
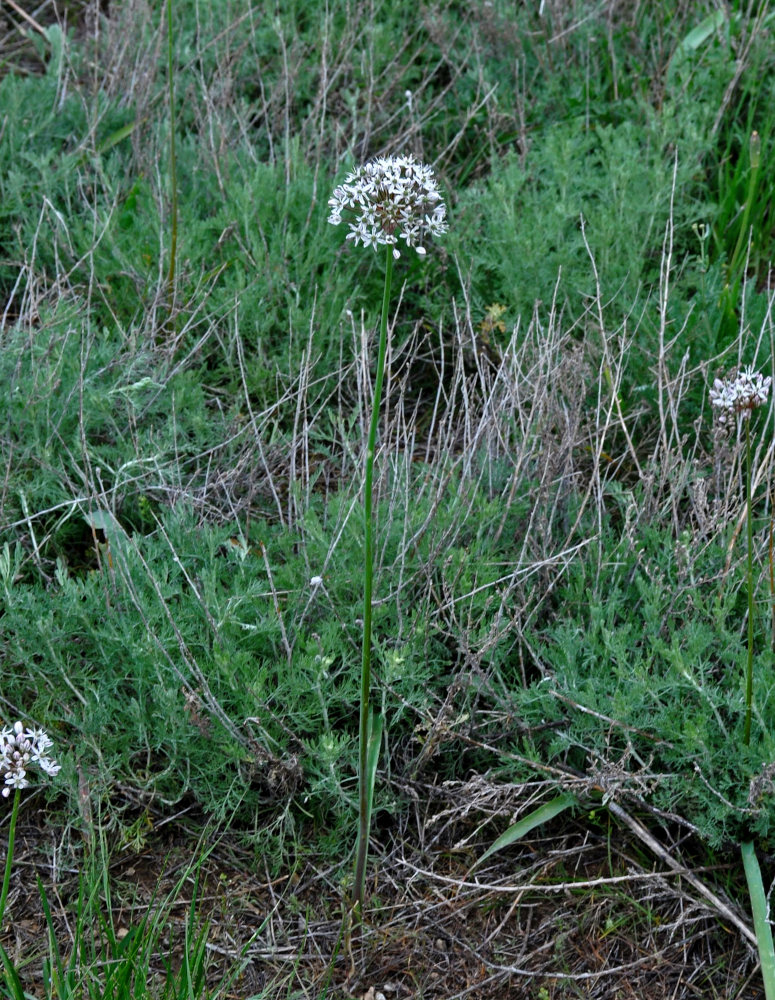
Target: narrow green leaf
{"points": [[761, 924], [58, 968], [372, 758], [12, 980], [115, 137], [523, 826]]}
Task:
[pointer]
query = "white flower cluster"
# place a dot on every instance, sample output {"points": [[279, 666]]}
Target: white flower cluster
{"points": [[741, 394], [392, 198], [20, 747]]}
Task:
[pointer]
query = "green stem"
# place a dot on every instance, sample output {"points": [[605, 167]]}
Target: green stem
{"points": [[364, 797], [749, 572], [9, 854], [771, 560], [761, 924], [173, 167]]}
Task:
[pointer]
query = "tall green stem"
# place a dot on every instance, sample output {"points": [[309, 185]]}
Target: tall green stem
{"points": [[749, 570], [173, 169], [9, 854], [365, 780]]}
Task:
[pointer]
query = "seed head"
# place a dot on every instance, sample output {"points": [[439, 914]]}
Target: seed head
{"points": [[391, 198], [742, 394], [20, 747]]}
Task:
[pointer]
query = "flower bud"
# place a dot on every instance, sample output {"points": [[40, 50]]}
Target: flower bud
{"points": [[755, 150]]}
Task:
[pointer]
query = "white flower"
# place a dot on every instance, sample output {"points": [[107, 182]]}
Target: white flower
{"points": [[391, 198], [742, 394], [18, 749], [17, 778], [316, 582]]}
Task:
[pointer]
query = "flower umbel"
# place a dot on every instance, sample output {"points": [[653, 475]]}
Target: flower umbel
{"points": [[742, 394], [392, 198], [19, 748]]}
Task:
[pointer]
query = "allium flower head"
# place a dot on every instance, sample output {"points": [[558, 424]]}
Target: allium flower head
{"points": [[390, 198], [19, 748], [742, 394]]}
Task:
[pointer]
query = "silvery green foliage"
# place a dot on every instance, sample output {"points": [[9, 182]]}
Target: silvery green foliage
{"points": [[741, 394], [390, 198], [19, 748]]}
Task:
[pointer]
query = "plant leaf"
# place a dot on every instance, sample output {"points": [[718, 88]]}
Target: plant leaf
{"points": [[103, 520], [116, 137], [761, 924], [701, 32], [523, 826], [11, 976], [372, 757], [692, 41]]}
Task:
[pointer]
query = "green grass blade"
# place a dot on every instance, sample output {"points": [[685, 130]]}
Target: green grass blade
{"points": [[15, 989], [524, 826], [56, 957], [116, 137], [761, 924], [372, 759]]}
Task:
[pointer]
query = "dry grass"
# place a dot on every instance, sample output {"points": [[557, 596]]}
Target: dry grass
{"points": [[581, 911]]}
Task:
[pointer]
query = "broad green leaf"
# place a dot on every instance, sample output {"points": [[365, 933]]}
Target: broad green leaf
{"points": [[702, 32], [692, 41], [103, 520]]}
